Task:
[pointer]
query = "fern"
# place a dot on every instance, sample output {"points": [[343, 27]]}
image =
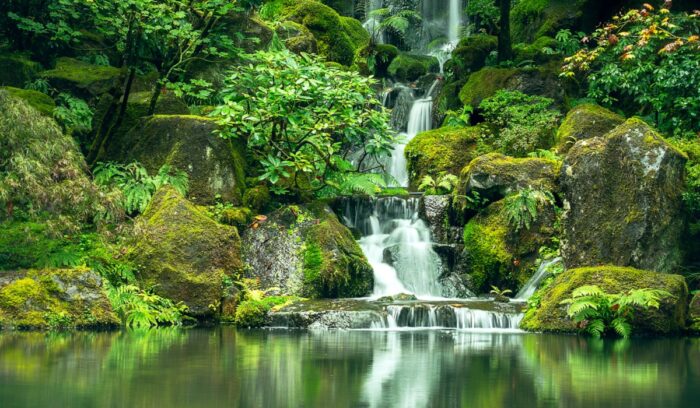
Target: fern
{"points": [[140, 309], [445, 183], [522, 208]]}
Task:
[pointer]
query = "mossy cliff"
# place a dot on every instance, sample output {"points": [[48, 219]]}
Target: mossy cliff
{"points": [[54, 299], [623, 200], [551, 316], [584, 122], [183, 254], [440, 150], [306, 251]]}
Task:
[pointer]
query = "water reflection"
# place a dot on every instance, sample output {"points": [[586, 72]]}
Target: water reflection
{"points": [[225, 367]]}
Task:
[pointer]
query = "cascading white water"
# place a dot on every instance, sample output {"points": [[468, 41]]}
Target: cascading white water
{"points": [[372, 24], [531, 285], [454, 21], [446, 316]]}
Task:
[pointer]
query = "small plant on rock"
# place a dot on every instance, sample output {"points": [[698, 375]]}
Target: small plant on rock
{"points": [[523, 207], [445, 183], [500, 295]]}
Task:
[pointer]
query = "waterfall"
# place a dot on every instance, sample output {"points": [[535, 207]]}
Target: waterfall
{"points": [[531, 286], [397, 244], [372, 24], [454, 21], [446, 316]]}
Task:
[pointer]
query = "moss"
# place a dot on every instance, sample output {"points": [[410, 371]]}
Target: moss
{"points": [[531, 19], [383, 55], [37, 100], [583, 122], [409, 67], [355, 31], [535, 51], [440, 150], [17, 69], [25, 244], [257, 198], [551, 314], [238, 216], [471, 53], [81, 78], [297, 38], [253, 312], [138, 105], [484, 83]]}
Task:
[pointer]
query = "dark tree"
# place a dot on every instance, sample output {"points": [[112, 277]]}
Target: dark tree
{"points": [[505, 50]]}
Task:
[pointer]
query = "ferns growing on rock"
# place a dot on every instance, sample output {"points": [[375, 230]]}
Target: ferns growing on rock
{"points": [[523, 207]]}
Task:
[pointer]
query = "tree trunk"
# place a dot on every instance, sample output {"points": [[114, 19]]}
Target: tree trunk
{"points": [[505, 51], [154, 98]]}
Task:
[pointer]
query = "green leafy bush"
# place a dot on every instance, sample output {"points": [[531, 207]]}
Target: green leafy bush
{"points": [[73, 113], [520, 123], [598, 313], [136, 185]]}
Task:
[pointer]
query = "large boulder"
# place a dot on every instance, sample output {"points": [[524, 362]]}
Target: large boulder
{"points": [[551, 316], [17, 69], [494, 175], [306, 251], [185, 255], [444, 150], [137, 107], [53, 299], [498, 255], [585, 121], [215, 166], [623, 200], [471, 53], [82, 79], [410, 67], [37, 100]]}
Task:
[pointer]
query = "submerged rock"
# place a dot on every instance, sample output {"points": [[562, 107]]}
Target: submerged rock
{"points": [[551, 316], [215, 166], [185, 255], [53, 299], [306, 251], [585, 122], [623, 200]]}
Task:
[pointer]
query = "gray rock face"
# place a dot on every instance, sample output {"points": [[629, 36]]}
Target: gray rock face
{"points": [[623, 200]]}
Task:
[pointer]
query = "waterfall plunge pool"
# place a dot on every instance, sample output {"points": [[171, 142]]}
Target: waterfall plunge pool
{"points": [[335, 368]]}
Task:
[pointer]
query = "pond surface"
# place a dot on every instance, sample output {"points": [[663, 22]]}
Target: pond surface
{"points": [[238, 368]]}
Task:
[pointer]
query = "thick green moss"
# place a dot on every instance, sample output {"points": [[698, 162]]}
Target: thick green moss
{"points": [[440, 150], [409, 67], [81, 78], [535, 51], [138, 105], [471, 53], [484, 83], [53, 299], [253, 313], [531, 19], [357, 34], [239, 217], [551, 316], [17, 69], [37, 100], [584, 122], [297, 38], [257, 198], [23, 245]]}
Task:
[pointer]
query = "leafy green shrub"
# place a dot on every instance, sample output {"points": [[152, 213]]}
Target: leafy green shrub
{"points": [[136, 185], [459, 118], [523, 207], [646, 62], [445, 183], [598, 313], [140, 309], [520, 123]]}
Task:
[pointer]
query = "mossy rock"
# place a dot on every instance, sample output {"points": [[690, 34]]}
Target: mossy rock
{"points": [[215, 166], [497, 254], [54, 299], [624, 192], [531, 19], [297, 38], [383, 55], [409, 67], [185, 255], [494, 175], [694, 310], [551, 316], [359, 37], [82, 79], [584, 122], [535, 52], [448, 99], [542, 80], [237, 216], [137, 108], [257, 198], [37, 100], [471, 53], [17, 69], [343, 7], [334, 39], [306, 251], [440, 150]]}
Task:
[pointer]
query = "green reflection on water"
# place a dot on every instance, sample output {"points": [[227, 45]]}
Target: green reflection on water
{"points": [[225, 367]]}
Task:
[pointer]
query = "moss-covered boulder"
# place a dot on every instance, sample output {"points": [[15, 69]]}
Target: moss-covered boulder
{"points": [[359, 37], [54, 299], [37, 100], [531, 19], [215, 166], [494, 175], [137, 108], [497, 254], [17, 69], [306, 251], [584, 122], [471, 53], [623, 195], [551, 316], [383, 55], [82, 79], [542, 80], [184, 255], [409, 67], [538, 52], [440, 150], [297, 38]]}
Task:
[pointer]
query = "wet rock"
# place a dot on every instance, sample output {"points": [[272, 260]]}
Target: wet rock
{"points": [[623, 200], [585, 122]]}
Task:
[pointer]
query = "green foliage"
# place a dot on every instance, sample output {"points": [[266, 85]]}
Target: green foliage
{"points": [[136, 185], [522, 208], [520, 123], [394, 20], [500, 295], [141, 309], [598, 313], [459, 118], [544, 154], [483, 15], [255, 304], [72, 113], [39, 85], [445, 183], [568, 42], [301, 118], [646, 62]]}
